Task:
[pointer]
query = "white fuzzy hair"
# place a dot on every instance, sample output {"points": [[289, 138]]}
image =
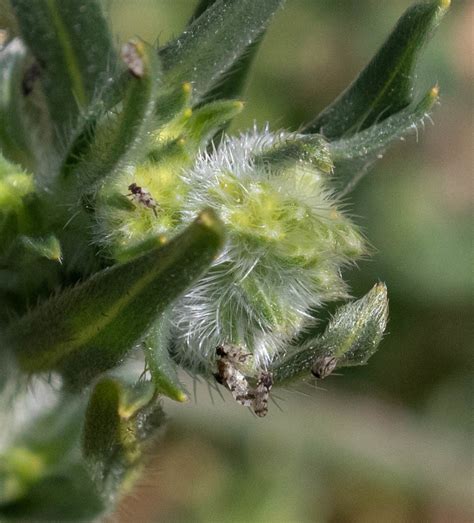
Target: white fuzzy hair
{"points": [[223, 306]]}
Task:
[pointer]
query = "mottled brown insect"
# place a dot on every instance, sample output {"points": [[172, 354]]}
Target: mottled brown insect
{"points": [[262, 393], [230, 359], [142, 196], [323, 366]]}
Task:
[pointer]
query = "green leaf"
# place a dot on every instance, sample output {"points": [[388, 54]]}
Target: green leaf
{"points": [[209, 119], [212, 44], [311, 149], [16, 187], [137, 249], [118, 420], [83, 136], [172, 103], [14, 136], [73, 47], [351, 337], [200, 8], [385, 86], [354, 156], [159, 363], [44, 247], [89, 328], [108, 149], [232, 83]]}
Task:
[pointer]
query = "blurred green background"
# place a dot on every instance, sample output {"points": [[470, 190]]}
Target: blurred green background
{"points": [[392, 441]]}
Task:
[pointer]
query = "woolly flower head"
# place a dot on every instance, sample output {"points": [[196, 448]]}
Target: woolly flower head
{"points": [[285, 246], [286, 240]]}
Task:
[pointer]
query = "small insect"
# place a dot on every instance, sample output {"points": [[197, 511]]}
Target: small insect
{"points": [[229, 357], [323, 366], [142, 196], [262, 393]]}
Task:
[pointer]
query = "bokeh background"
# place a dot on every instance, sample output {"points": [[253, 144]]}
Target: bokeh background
{"points": [[392, 441]]}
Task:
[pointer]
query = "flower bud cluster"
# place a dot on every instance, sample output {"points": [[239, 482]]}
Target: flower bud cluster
{"points": [[287, 238]]}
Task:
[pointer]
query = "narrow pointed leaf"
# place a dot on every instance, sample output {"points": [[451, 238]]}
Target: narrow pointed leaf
{"points": [[355, 155], [232, 83], [171, 103], [212, 44], [44, 247], [207, 120], [385, 86], [120, 134], [89, 328], [351, 338], [162, 368], [84, 135], [73, 47], [311, 149]]}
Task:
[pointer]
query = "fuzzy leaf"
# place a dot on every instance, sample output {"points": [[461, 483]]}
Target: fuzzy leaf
{"points": [[84, 135], [214, 42], [89, 328], [209, 119], [354, 156], [118, 420], [172, 103], [14, 142], [159, 363], [312, 149], [44, 247], [232, 83], [73, 47], [201, 7], [385, 86], [351, 338], [121, 134]]}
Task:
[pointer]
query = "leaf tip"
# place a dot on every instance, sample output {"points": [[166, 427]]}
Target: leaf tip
{"points": [[207, 217], [209, 220], [187, 88], [380, 288], [379, 298], [444, 4], [181, 397], [434, 92]]}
